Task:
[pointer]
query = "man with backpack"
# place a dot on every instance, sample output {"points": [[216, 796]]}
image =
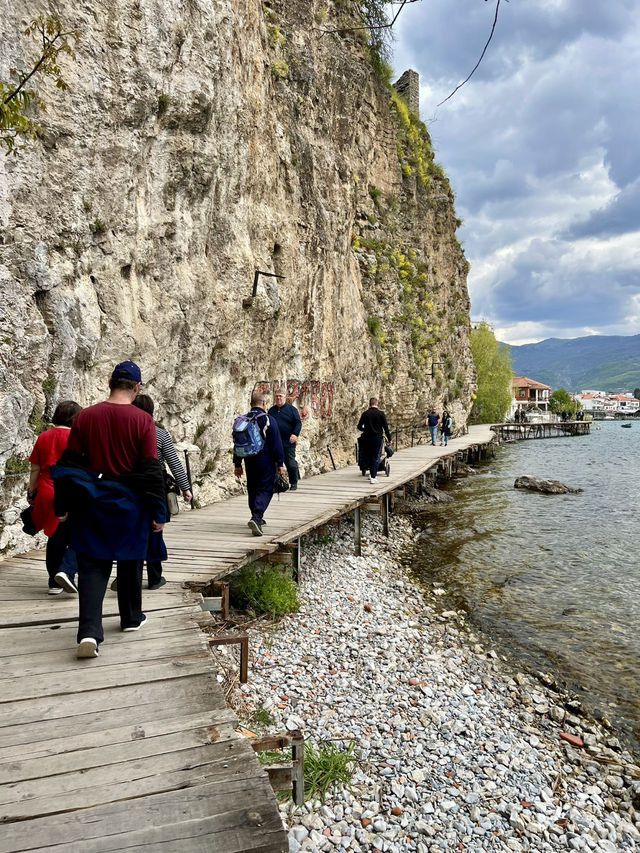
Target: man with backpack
{"points": [[256, 440]]}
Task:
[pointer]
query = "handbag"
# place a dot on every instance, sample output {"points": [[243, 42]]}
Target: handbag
{"points": [[280, 485], [172, 494], [28, 526], [172, 503]]}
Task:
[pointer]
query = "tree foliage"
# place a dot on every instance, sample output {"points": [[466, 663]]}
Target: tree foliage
{"points": [[493, 369], [17, 100], [560, 401], [375, 15]]}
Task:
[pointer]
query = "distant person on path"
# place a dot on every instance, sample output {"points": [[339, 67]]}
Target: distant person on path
{"points": [[516, 417], [432, 423], [445, 428], [288, 419], [373, 426], [167, 455], [49, 447], [261, 467], [110, 483]]}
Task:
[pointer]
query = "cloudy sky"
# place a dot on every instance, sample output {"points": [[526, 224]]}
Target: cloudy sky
{"points": [[543, 150]]}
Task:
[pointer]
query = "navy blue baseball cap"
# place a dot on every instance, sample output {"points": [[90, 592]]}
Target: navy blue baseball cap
{"points": [[127, 370]]}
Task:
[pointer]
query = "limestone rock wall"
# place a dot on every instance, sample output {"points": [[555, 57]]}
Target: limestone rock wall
{"points": [[200, 141]]}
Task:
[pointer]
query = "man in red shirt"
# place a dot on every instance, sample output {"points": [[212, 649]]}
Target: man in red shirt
{"points": [[116, 441]]}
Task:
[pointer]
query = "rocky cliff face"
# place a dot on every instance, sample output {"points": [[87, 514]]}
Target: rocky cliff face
{"points": [[201, 142]]}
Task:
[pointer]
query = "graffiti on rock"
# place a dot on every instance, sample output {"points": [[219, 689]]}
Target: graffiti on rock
{"points": [[312, 397]]}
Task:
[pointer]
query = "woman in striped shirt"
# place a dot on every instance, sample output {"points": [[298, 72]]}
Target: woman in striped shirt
{"points": [[167, 455]]}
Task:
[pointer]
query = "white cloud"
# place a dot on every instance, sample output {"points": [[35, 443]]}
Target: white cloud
{"points": [[541, 148]]}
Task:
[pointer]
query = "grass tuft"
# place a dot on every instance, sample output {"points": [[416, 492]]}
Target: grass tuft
{"points": [[270, 589], [326, 766]]}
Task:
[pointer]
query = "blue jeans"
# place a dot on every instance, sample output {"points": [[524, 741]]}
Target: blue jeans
{"points": [[434, 433]]}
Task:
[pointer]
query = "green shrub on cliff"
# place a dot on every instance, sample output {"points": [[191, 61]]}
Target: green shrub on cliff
{"points": [[17, 99]]}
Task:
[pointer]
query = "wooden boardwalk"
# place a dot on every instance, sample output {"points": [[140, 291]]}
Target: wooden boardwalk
{"points": [[526, 431], [136, 750], [216, 539]]}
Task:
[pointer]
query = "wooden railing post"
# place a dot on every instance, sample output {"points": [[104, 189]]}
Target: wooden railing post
{"points": [[385, 514]]}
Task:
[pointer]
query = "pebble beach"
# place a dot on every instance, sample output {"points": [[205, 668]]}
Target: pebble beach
{"points": [[453, 748]]}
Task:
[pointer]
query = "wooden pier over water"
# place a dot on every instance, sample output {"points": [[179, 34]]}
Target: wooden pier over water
{"points": [[136, 750], [522, 432]]}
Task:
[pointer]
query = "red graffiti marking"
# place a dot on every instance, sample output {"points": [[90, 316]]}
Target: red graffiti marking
{"points": [[312, 396]]}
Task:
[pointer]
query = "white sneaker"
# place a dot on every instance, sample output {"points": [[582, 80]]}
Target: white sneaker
{"points": [[88, 648], [63, 579], [136, 627], [55, 590], [373, 480]]}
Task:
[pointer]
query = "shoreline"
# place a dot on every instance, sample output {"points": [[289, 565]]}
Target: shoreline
{"points": [[453, 749]]}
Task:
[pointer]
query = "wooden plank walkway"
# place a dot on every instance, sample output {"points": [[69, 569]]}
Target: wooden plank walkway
{"points": [[136, 750], [217, 537], [526, 431]]}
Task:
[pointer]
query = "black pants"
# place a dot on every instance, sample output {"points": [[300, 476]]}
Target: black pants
{"points": [[369, 452], [290, 462], [154, 572], [261, 475], [93, 576], [57, 545]]}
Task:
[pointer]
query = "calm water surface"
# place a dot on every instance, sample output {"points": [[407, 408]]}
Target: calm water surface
{"points": [[554, 579]]}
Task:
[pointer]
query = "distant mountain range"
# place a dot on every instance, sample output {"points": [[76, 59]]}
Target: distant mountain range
{"points": [[602, 362]]}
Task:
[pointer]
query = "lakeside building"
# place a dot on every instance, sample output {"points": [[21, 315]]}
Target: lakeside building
{"points": [[530, 397], [608, 404], [591, 401]]}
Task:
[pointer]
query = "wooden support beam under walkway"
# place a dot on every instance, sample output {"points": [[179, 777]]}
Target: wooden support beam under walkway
{"points": [[136, 750]]}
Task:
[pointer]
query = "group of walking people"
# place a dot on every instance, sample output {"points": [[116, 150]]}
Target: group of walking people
{"points": [[98, 489]]}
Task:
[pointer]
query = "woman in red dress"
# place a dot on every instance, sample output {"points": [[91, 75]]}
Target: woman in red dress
{"points": [[49, 447]]}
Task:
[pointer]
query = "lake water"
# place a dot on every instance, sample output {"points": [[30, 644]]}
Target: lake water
{"points": [[555, 580]]}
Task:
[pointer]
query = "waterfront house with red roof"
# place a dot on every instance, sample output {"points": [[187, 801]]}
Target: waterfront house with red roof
{"points": [[530, 397]]}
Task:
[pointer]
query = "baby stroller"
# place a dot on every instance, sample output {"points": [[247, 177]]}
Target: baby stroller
{"points": [[383, 466]]}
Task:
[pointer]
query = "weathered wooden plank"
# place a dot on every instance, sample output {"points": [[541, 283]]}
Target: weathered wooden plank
{"points": [[108, 827], [141, 745], [88, 677], [57, 740], [127, 779], [121, 654], [107, 708]]}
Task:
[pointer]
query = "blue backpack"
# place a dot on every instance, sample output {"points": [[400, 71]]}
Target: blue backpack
{"points": [[247, 435]]}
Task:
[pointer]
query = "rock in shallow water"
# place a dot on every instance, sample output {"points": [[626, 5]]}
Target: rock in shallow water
{"points": [[546, 487]]}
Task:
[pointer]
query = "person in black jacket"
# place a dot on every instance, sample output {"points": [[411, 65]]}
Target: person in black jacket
{"points": [[262, 468], [288, 419], [373, 425]]}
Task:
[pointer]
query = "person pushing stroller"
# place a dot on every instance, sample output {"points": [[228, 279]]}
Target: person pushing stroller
{"points": [[374, 428]]}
